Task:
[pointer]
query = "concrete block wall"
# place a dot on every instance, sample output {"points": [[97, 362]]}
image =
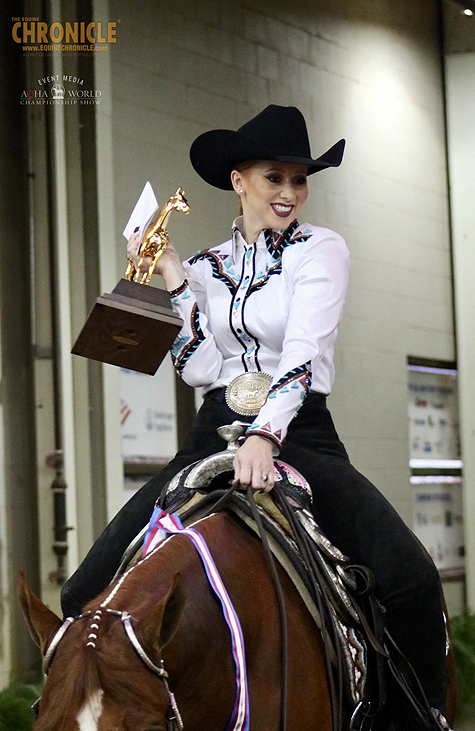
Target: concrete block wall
{"points": [[366, 70], [460, 85]]}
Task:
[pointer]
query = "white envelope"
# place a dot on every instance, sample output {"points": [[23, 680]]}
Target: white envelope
{"points": [[145, 208]]}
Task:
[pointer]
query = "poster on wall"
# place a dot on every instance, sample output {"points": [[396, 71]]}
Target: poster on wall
{"points": [[433, 417], [148, 415], [438, 522]]}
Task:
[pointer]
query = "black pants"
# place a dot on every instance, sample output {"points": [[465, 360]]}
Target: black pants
{"points": [[351, 511]]}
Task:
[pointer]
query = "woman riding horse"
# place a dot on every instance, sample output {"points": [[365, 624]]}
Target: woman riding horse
{"points": [[262, 311]]}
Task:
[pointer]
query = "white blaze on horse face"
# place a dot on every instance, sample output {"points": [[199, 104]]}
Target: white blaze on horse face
{"points": [[90, 714]]}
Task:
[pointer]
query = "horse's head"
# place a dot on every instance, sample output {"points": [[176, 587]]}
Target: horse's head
{"points": [[179, 202], [96, 679]]}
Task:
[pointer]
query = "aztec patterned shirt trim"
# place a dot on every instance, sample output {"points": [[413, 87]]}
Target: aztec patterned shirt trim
{"points": [[185, 345], [179, 290], [276, 241], [299, 380], [275, 306], [217, 262]]}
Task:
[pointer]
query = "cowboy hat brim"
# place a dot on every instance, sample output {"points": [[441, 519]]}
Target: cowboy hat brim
{"points": [[216, 153]]}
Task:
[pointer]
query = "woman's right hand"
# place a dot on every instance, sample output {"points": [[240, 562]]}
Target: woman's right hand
{"points": [[168, 265]]}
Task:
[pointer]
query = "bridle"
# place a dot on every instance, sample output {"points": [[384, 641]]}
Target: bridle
{"points": [[173, 719]]}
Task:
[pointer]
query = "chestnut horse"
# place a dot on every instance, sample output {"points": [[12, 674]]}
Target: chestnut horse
{"points": [[103, 685]]}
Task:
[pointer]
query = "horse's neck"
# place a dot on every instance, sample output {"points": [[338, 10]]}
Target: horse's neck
{"points": [[147, 583], [162, 219], [199, 656]]}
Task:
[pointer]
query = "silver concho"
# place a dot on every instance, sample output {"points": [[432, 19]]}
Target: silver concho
{"points": [[247, 393]]}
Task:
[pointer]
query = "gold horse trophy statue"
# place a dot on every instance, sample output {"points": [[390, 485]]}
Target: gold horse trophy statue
{"points": [[155, 238], [135, 326]]}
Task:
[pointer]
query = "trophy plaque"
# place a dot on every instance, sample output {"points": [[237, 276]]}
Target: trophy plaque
{"points": [[135, 325]]}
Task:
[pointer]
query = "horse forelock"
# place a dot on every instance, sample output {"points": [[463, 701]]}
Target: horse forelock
{"points": [[86, 676], [66, 694]]}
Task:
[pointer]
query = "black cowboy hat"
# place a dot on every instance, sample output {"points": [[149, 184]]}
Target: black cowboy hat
{"points": [[276, 133]]}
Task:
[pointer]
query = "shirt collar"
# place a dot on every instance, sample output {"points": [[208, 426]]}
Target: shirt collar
{"points": [[274, 240]]}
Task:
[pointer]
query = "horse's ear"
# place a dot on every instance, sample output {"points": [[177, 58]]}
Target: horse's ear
{"points": [[42, 622], [160, 624]]}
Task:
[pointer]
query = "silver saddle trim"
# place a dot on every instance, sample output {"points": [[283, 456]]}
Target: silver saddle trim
{"points": [[204, 471], [308, 522]]}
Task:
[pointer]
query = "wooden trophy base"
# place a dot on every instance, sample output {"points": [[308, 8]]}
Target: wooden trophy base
{"points": [[133, 327]]}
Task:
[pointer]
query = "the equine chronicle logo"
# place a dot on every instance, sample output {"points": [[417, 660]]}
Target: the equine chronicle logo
{"points": [[36, 36], [60, 89]]}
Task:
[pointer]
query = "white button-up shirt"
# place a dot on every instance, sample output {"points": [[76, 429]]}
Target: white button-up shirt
{"points": [[272, 306]]}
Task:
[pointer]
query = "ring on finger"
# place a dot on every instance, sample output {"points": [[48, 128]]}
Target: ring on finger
{"points": [[265, 478]]}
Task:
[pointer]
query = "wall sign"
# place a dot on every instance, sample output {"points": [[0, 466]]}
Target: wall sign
{"points": [[148, 415], [438, 521], [435, 461], [433, 416]]}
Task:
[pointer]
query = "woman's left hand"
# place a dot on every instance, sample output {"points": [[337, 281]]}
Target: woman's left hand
{"points": [[253, 461]]}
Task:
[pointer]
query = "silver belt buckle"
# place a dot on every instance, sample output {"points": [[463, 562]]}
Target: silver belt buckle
{"points": [[247, 393]]}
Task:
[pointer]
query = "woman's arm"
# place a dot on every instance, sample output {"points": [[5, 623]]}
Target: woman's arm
{"points": [[194, 352], [318, 277]]}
